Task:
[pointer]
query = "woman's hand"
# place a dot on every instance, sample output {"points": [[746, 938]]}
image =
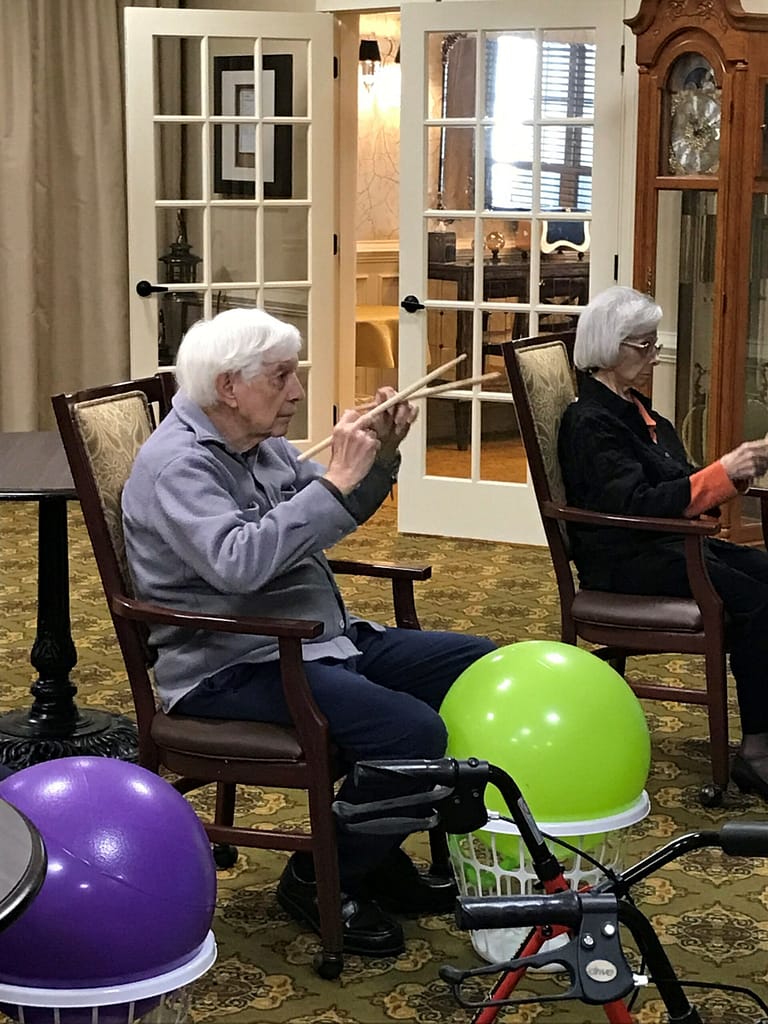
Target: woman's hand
{"points": [[747, 461]]}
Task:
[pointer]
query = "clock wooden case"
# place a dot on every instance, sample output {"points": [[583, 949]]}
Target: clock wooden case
{"points": [[701, 218]]}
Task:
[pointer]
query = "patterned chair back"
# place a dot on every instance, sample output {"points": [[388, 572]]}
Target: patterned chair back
{"points": [[112, 430], [543, 387], [548, 383]]}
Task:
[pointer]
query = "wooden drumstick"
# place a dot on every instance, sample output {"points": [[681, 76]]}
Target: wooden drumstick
{"points": [[386, 404]]}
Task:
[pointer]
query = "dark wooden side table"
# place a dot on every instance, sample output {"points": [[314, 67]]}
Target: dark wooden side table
{"points": [[508, 278], [33, 467]]}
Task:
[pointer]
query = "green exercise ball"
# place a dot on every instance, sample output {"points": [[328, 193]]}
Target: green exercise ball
{"points": [[560, 721]]}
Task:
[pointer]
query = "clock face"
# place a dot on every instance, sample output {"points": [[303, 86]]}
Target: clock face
{"points": [[694, 141]]}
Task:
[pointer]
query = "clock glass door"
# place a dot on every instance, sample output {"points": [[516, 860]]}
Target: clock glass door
{"points": [[685, 290], [692, 118], [756, 359]]}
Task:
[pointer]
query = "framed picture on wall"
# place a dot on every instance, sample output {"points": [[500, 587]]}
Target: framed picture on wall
{"points": [[234, 145]]}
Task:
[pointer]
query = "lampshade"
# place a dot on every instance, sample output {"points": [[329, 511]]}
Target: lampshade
{"points": [[369, 50]]}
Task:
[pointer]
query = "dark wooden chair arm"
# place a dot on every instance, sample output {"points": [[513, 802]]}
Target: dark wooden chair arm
{"points": [[297, 629], [382, 570], [684, 527], [761, 493], [309, 722], [693, 532], [402, 578]]}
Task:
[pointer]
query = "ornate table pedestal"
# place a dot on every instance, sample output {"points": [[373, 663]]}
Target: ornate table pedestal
{"points": [[33, 467]]}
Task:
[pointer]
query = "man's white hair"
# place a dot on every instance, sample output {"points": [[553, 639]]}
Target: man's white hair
{"points": [[611, 317], [235, 341]]}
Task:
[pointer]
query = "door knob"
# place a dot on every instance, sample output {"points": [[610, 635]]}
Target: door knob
{"points": [[410, 304], [145, 289]]}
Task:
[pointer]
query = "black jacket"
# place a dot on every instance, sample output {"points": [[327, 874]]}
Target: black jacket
{"points": [[611, 464]]}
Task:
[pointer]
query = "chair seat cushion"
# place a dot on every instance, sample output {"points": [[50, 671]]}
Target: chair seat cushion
{"points": [[225, 738], [665, 614]]}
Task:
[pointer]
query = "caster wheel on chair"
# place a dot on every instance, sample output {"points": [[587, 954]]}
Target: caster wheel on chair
{"points": [[224, 855], [328, 965], [711, 795]]}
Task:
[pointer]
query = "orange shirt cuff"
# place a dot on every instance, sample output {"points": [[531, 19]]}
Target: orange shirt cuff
{"points": [[709, 486]]}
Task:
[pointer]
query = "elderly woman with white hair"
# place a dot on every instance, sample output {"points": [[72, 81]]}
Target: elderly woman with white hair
{"points": [[619, 455]]}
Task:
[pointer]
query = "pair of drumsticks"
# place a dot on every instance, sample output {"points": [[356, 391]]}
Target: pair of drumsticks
{"points": [[414, 391]]}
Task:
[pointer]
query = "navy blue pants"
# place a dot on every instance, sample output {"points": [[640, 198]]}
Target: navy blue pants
{"points": [[739, 574], [381, 704]]}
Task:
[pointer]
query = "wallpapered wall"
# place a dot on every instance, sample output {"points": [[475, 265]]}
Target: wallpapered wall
{"points": [[378, 148]]}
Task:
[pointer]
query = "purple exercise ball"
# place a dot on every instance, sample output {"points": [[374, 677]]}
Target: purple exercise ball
{"points": [[131, 885]]}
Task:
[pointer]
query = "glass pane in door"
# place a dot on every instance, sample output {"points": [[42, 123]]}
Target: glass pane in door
{"points": [[502, 456], [178, 171], [176, 76], [179, 235], [285, 243], [234, 233]]}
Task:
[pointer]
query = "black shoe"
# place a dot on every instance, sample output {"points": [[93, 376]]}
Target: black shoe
{"points": [[365, 929], [399, 887], [751, 776]]}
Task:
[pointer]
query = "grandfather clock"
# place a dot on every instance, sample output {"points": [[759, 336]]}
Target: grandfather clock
{"points": [[701, 218]]}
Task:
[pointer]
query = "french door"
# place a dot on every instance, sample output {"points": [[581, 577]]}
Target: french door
{"points": [[230, 182], [511, 124]]}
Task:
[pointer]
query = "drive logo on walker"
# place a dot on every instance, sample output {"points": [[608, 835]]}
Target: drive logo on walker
{"points": [[601, 970]]}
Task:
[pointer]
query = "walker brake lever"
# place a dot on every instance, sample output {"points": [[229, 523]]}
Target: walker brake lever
{"points": [[594, 958], [459, 787], [373, 819]]}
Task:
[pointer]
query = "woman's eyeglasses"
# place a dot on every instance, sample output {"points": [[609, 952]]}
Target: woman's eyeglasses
{"points": [[645, 343]]}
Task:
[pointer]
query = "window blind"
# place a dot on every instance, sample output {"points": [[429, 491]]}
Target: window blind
{"points": [[565, 151]]}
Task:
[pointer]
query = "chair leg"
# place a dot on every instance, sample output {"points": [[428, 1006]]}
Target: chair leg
{"points": [[325, 856], [717, 710], [225, 803], [619, 664], [225, 854], [615, 657]]}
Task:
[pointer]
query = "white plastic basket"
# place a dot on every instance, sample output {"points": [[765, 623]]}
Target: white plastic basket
{"points": [[164, 999], [494, 862]]}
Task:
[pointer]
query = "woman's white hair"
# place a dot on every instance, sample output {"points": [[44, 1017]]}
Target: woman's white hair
{"points": [[611, 317], [235, 341]]}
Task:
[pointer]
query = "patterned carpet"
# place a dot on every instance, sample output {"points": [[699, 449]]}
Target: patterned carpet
{"points": [[712, 913]]}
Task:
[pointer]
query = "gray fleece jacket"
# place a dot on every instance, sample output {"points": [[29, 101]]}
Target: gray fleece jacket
{"points": [[211, 530]]}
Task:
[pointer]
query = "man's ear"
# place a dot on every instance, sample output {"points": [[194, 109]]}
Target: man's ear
{"points": [[225, 391]]}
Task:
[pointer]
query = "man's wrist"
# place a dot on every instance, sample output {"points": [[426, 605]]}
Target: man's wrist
{"points": [[389, 461], [334, 490]]}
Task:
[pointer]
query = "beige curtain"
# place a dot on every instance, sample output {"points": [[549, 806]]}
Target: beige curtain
{"points": [[63, 247]]}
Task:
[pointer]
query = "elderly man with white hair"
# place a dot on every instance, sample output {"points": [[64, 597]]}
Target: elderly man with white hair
{"points": [[219, 513]]}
